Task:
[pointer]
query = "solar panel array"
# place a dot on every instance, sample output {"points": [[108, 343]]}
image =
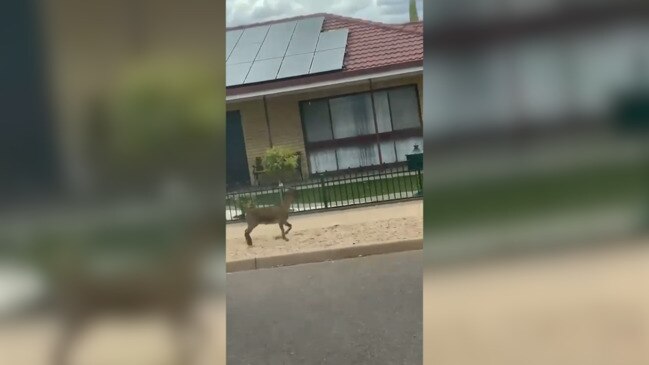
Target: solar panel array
{"points": [[283, 50]]}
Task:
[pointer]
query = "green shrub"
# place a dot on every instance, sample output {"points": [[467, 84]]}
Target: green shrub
{"points": [[246, 202], [279, 159]]}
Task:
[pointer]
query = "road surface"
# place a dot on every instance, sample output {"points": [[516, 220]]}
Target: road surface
{"points": [[357, 311]]}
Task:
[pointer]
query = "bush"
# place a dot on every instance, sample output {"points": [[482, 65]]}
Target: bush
{"points": [[280, 159], [246, 202]]}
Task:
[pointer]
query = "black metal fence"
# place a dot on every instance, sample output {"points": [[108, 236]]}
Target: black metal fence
{"points": [[325, 192]]}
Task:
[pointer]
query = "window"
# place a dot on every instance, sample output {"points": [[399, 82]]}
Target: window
{"points": [[350, 157], [314, 113], [382, 106], [405, 108], [360, 130], [323, 160], [352, 116]]}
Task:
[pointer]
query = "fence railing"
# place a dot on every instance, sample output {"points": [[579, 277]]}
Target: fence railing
{"points": [[325, 192]]}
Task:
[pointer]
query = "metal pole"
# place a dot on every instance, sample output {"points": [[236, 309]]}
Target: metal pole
{"points": [[324, 193]]}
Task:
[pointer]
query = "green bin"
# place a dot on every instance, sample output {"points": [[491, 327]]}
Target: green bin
{"points": [[416, 163]]}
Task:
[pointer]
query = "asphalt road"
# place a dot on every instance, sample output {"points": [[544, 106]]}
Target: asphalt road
{"points": [[356, 311]]}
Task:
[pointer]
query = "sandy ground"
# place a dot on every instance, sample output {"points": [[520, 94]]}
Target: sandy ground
{"points": [[581, 308], [129, 341], [316, 231]]}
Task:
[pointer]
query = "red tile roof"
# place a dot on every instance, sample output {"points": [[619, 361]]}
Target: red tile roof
{"points": [[413, 26], [372, 44], [371, 47]]}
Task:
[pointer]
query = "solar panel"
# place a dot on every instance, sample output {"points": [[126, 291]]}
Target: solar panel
{"points": [[263, 70], [282, 50], [328, 60], [311, 25], [231, 39], [277, 40], [254, 35], [332, 39], [305, 37], [295, 65], [236, 74], [245, 52]]}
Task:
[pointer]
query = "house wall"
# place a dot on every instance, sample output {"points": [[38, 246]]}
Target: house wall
{"points": [[284, 121]]}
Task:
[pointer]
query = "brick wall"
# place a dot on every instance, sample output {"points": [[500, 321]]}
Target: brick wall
{"points": [[285, 121]]}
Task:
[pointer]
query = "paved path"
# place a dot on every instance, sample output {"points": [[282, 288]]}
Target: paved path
{"points": [[357, 311]]}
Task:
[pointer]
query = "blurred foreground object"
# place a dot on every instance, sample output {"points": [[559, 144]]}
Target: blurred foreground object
{"points": [[521, 124], [583, 308], [112, 205], [158, 125], [161, 127], [537, 197]]}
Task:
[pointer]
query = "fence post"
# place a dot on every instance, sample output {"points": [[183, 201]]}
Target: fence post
{"points": [[324, 192]]}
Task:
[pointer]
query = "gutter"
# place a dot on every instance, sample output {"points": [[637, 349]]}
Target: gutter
{"points": [[404, 72]]}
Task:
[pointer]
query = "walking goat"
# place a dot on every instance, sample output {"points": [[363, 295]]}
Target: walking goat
{"points": [[270, 215]]}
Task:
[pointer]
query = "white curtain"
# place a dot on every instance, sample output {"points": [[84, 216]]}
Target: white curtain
{"points": [[405, 108], [357, 156], [382, 107], [316, 120], [322, 160], [352, 116], [388, 153], [406, 145]]}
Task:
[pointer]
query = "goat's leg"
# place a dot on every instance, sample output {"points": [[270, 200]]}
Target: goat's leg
{"points": [[289, 225], [281, 226], [247, 233]]}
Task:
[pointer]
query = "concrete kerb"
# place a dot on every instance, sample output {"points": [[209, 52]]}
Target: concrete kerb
{"points": [[324, 255], [241, 265]]}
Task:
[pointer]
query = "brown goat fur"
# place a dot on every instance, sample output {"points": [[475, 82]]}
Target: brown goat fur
{"points": [[271, 215]]}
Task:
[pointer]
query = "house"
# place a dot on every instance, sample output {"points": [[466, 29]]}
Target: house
{"points": [[365, 112]]}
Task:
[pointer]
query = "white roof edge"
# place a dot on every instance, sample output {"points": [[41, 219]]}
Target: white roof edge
{"points": [[325, 84]]}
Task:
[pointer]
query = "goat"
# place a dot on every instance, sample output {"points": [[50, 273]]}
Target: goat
{"points": [[270, 215]]}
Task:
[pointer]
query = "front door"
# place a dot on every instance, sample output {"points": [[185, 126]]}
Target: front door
{"points": [[236, 160]]}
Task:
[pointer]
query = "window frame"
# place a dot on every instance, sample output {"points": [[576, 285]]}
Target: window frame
{"points": [[375, 137]]}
